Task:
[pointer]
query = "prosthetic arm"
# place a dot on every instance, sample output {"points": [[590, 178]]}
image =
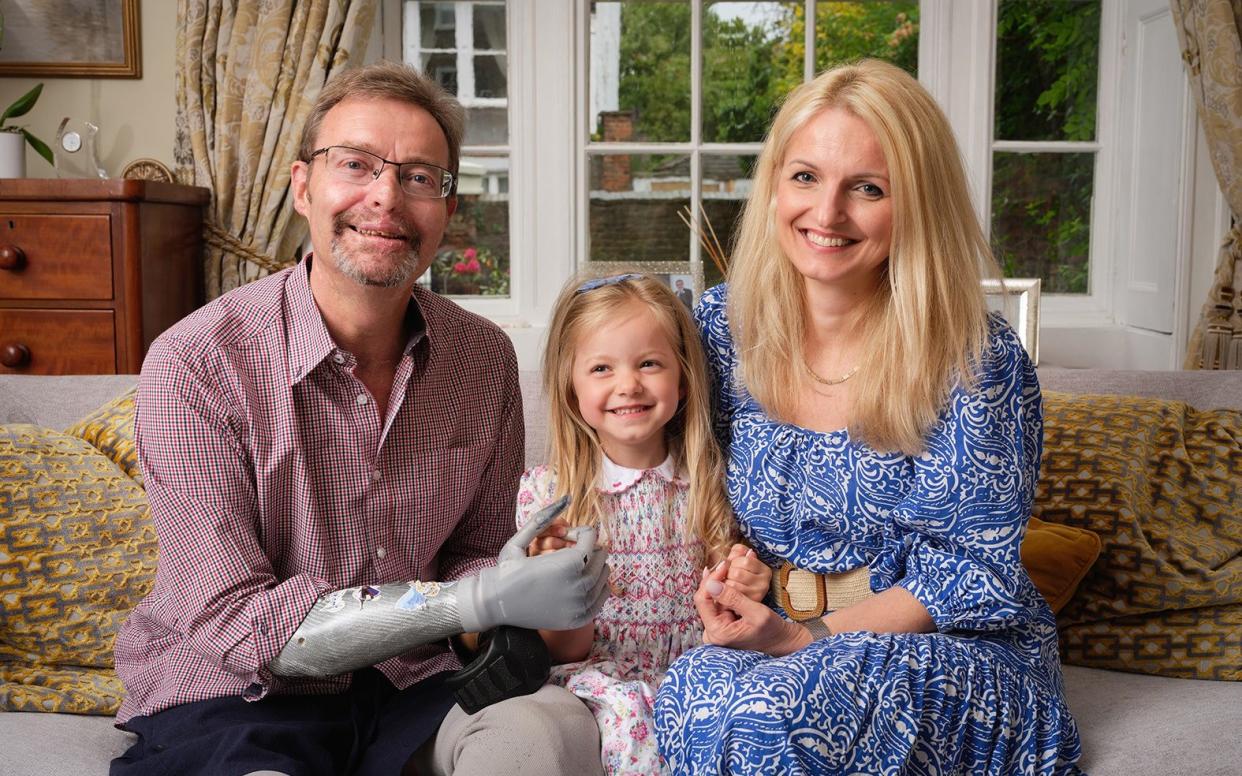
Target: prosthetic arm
{"points": [[349, 629]]}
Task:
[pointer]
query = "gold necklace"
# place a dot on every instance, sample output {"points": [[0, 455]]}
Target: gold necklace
{"points": [[824, 381]]}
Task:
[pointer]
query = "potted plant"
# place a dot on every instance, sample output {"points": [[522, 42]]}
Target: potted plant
{"points": [[13, 139]]}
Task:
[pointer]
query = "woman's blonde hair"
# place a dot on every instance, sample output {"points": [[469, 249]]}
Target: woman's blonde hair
{"points": [[927, 325], [575, 446]]}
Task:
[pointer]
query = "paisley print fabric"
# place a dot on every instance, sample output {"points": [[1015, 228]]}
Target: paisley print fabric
{"points": [[649, 619], [982, 694]]}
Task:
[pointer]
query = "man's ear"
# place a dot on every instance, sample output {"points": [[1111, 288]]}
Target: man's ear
{"points": [[299, 181], [450, 206]]}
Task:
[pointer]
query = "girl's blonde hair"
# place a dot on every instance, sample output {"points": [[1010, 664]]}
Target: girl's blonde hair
{"points": [[575, 446], [926, 327]]}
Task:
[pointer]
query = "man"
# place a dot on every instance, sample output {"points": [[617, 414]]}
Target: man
{"points": [[683, 293], [320, 446]]}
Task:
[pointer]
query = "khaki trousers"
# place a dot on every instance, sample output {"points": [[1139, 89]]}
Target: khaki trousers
{"points": [[543, 734]]}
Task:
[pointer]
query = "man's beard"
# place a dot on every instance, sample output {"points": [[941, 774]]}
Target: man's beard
{"points": [[382, 277]]}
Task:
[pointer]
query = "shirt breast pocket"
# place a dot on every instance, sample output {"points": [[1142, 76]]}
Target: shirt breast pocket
{"points": [[440, 487]]}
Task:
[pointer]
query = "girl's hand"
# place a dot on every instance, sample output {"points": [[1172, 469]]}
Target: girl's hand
{"points": [[747, 574], [550, 539], [730, 619]]}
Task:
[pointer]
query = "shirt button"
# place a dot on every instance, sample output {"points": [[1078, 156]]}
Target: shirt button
{"points": [[380, 552], [362, 399], [376, 475], [338, 358]]}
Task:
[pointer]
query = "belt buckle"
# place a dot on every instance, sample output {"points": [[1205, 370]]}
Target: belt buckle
{"points": [[805, 594]]}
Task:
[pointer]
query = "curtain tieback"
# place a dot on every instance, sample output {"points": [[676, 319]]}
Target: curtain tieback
{"points": [[805, 594], [220, 239]]}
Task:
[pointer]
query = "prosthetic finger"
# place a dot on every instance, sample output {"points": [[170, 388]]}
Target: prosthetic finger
{"points": [[516, 547]]}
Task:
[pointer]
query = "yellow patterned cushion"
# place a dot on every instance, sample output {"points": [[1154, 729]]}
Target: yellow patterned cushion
{"points": [[111, 430], [1161, 483], [77, 552]]}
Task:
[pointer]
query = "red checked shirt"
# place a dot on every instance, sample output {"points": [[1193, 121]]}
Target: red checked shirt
{"points": [[272, 480]]}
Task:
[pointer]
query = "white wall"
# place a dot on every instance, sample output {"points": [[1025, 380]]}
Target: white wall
{"points": [[135, 116]]}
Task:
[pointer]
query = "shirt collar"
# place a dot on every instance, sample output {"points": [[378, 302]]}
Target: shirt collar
{"points": [[615, 478], [309, 342]]}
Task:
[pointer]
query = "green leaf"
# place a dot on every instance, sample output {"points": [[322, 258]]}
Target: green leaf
{"points": [[39, 146], [22, 105]]}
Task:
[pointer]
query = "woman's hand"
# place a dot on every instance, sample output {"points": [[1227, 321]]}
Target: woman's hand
{"points": [[550, 539], [746, 573], [730, 619]]}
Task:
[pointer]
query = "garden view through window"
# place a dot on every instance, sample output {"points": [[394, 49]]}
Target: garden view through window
{"points": [[665, 141]]}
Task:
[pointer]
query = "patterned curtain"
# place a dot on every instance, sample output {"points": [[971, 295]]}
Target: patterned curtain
{"points": [[247, 74], [1210, 33]]}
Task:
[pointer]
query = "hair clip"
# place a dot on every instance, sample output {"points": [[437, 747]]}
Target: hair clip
{"points": [[611, 280]]}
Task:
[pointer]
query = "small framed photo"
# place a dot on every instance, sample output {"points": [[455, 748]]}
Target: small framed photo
{"points": [[677, 275], [90, 38], [1017, 299]]}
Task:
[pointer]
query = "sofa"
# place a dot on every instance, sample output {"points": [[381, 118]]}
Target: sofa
{"points": [[1131, 723]]}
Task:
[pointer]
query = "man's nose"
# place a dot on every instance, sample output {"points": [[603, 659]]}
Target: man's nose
{"points": [[385, 189]]}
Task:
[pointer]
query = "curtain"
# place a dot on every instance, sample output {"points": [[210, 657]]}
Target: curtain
{"points": [[1210, 33], [248, 72]]}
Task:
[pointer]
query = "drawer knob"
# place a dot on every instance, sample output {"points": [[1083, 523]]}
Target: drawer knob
{"points": [[12, 257], [15, 355]]}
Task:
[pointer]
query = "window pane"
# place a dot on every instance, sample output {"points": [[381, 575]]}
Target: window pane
{"points": [[438, 25], [474, 257], [1041, 218], [864, 28], [726, 185], [489, 27], [640, 64], [442, 68], [634, 204], [487, 126], [489, 76], [1047, 60], [748, 56]]}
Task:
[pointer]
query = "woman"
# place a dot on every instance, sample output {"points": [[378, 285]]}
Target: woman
{"points": [[883, 435]]}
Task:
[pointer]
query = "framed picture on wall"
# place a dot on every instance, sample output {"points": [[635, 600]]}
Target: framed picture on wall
{"points": [[1017, 299], [88, 38]]}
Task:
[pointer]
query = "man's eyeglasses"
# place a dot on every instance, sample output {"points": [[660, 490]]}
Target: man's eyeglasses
{"points": [[353, 165]]}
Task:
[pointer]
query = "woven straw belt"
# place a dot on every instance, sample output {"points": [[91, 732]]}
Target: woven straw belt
{"points": [[804, 594]]}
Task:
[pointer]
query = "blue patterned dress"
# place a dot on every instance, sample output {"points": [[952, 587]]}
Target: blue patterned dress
{"points": [[982, 694]]}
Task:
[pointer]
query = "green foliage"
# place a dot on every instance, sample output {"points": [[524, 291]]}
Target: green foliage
{"points": [[1047, 64], [746, 69]]}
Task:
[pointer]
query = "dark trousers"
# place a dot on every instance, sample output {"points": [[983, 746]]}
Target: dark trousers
{"points": [[371, 729]]}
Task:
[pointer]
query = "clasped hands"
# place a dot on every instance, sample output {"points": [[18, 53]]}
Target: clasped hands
{"points": [[733, 612]]}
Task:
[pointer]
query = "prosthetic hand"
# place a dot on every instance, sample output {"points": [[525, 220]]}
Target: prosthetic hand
{"points": [[357, 627]]}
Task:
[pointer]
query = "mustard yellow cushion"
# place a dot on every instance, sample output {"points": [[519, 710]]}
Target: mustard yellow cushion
{"points": [[1057, 557], [77, 553], [111, 430], [1161, 484]]}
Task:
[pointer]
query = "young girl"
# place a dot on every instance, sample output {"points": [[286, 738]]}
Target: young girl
{"points": [[632, 446]]}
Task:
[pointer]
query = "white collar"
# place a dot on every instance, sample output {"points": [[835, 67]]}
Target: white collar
{"points": [[615, 478]]}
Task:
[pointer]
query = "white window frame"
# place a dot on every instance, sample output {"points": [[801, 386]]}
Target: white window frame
{"points": [[548, 57]]}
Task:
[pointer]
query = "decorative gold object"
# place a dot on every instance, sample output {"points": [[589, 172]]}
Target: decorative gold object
{"points": [[147, 170]]}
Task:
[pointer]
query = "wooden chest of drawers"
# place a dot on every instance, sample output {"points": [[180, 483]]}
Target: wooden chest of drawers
{"points": [[91, 271]]}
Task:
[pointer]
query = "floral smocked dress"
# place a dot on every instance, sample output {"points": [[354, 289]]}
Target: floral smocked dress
{"points": [[649, 618], [982, 694]]}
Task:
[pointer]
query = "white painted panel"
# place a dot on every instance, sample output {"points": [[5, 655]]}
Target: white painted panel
{"points": [[1153, 140]]}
